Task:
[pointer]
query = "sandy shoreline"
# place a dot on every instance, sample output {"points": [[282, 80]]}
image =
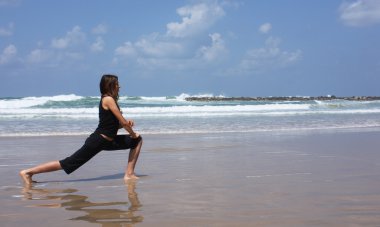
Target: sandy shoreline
{"points": [[227, 179]]}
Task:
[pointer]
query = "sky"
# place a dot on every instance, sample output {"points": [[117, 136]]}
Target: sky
{"points": [[165, 48]]}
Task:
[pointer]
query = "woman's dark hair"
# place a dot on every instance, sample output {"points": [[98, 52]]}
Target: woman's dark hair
{"points": [[108, 85]]}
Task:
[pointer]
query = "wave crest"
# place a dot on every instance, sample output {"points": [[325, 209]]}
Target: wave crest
{"points": [[16, 103]]}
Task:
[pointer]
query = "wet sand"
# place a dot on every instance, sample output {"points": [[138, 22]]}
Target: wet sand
{"points": [[321, 178]]}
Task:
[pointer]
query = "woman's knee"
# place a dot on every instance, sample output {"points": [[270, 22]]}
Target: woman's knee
{"points": [[137, 143]]}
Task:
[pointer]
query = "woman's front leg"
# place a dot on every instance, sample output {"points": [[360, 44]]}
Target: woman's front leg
{"points": [[132, 160]]}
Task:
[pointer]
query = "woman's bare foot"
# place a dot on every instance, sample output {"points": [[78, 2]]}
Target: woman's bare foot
{"points": [[130, 177], [26, 177]]}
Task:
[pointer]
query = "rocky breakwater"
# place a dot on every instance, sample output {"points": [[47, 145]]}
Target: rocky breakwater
{"points": [[283, 98]]}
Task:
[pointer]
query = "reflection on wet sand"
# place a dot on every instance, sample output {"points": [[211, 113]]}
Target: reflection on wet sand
{"points": [[100, 213]]}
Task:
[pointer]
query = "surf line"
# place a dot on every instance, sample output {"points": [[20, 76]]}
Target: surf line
{"points": [[278, 175]]}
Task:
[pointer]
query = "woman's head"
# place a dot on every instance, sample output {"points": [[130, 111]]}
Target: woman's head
{"points": [[109, 85]]}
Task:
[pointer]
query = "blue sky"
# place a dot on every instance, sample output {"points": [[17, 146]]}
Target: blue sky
{"points": [[159, 48]]}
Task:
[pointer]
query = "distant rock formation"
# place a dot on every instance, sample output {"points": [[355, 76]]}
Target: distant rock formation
{"points": [[283, 98]]}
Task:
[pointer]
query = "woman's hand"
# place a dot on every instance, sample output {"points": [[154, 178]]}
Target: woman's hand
{"points": [[135, 135], [131, 123]]}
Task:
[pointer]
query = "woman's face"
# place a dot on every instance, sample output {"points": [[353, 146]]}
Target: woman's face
{"points": [[117, 87]]}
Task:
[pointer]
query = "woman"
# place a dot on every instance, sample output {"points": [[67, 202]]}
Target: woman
{"points": [[104, 138]]}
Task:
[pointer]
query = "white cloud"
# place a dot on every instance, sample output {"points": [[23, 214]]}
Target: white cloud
{"points": [[171, 64], [9, 53], [67, 50], [39, 56], [100, 29], [217, 50], [268, 57], [265, 28], [75, 36], [8, 31], [73, 55], [360, 12], [156, 52], [151, 50], [195, 19], [127, 49], [156, 46], [175, 50], [98, 45]]}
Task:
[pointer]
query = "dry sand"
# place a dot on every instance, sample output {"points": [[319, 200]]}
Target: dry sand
{"points": [[321, 178]]}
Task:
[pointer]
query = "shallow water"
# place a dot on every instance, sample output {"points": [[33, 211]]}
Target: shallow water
{"points": [[328, 178]]}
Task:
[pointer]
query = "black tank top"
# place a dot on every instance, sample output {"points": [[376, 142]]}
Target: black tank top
{"points": [[108, 123]]}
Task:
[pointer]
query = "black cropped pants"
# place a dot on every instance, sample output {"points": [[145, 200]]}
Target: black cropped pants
{"points": [[92, 146]]}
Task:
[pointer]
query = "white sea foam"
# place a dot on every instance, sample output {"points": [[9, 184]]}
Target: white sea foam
{"points": [[51, 112], [27, 102], [181, 98], [212, 109], [183, 111], [35, 101], [77, 115], [157, 99], [177, 131]]}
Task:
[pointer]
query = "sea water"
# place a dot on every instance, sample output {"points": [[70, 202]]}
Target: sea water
{"points": [[78, 115]]}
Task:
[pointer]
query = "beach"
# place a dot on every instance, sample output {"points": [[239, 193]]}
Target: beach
{"points": [[287, 178]]}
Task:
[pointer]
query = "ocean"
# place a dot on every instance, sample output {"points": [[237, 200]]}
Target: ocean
{"points": [[78, 115]]}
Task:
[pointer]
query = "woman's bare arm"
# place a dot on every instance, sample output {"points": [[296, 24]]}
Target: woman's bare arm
{"points": [[110, 104]]}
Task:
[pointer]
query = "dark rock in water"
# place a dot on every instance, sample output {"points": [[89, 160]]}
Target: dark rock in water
{"points": [[283, 98]]}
